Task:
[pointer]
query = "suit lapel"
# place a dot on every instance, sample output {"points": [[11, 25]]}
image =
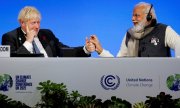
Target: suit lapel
{"points": [[45, 43], [21, 37]]}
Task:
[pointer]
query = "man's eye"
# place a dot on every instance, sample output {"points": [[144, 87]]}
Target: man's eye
{"points": [[33, 23], [136, 15]]}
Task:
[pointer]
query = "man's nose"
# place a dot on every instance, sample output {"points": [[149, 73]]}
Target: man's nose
{"points": [[133, 18], [37, 25]]}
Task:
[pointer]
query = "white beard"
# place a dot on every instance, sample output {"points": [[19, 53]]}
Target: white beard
{"points": [[139, 27]]}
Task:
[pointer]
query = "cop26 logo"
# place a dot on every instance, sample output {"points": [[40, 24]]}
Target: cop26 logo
{"points": [[110, 82], [6, 82], [173, 82]]}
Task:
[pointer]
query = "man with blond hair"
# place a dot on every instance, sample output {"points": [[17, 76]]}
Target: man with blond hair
{"points": [[29, 38]]}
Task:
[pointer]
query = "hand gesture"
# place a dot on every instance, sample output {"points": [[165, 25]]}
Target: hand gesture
{"points": [[89, 46], [95, 41], [30, 33]]}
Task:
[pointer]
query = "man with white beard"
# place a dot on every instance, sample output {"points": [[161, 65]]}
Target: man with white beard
{"points": [[146, 38]]}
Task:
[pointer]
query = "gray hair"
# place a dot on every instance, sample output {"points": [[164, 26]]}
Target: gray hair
{"points": [[147, 6], [29, 12]]}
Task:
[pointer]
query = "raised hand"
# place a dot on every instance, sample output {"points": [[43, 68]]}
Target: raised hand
{"points": [[89, 46], [95, 41], [30, 33]]}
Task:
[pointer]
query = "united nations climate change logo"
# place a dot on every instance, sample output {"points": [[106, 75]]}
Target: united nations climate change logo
{"points": [[110, 82], [6, 82], [173, 82]]}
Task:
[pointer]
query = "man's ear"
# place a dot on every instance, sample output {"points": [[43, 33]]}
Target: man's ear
{"points": [[22, 23]]}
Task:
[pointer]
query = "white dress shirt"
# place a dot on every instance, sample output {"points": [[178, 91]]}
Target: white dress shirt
{"points": [[29, 46]]}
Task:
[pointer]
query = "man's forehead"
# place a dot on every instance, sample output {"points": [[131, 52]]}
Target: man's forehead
{"points": [[34, 20], [139, 9]]}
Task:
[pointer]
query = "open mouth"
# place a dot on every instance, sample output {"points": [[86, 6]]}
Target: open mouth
{"points": [[135, 22]]}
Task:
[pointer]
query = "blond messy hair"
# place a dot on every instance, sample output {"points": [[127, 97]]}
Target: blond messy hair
{"points": [[27, 13]]}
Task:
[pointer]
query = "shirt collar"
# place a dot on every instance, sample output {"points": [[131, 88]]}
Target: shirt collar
{"points": [[23, 31]]}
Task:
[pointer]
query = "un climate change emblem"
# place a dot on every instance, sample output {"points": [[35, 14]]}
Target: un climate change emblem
{"points": [[173, 82], [110, 82], [6, 82]]}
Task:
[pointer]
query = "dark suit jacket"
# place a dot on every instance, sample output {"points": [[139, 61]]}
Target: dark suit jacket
{"points": [[50, 43]]}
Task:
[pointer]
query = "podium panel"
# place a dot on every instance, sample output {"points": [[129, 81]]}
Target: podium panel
{"points": [[131, 79]]}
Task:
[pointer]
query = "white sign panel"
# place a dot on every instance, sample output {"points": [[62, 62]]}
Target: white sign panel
{"points": [[4, 51], [131, 79]]}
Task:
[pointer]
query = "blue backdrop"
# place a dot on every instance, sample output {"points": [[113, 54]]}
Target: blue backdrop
{"points": [[73, 20]]}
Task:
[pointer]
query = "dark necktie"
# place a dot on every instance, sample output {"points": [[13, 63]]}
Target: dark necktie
{"points": [[35, 48]]}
